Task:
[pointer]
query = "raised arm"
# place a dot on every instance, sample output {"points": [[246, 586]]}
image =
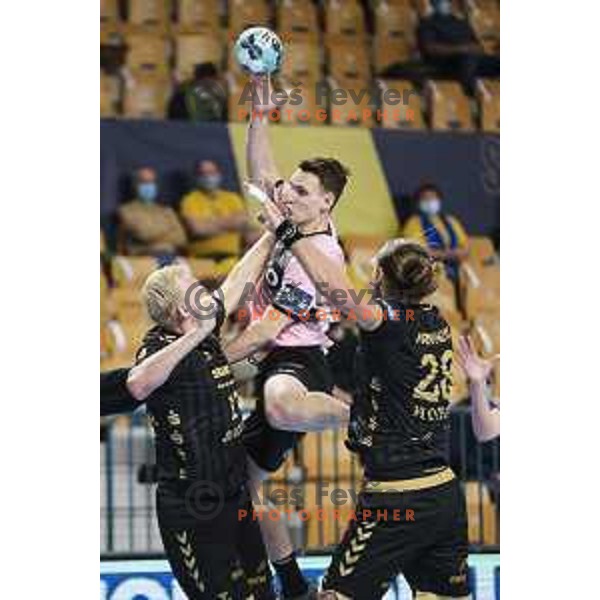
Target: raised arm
{"points": [[485, 418], [258, 333], [246, 272], [152, 372], [259, 155]]}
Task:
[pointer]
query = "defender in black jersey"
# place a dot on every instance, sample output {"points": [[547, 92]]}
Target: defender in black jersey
{"points": [[199, 452], [202, 476], [411, 511]]}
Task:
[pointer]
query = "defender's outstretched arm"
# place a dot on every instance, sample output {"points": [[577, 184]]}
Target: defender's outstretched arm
{"points": [[246, 272], [152, 372]]}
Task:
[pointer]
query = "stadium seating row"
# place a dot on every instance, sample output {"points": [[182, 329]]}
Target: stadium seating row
{"points": [[395, 18], [160, 53], [444, 106]]}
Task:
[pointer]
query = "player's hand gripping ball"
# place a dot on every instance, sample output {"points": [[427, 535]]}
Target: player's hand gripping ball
{"points": [[259, 51]]}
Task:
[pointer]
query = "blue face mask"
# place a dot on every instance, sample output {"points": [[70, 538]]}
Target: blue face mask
{"points": [[147, 192], [209, 182]]}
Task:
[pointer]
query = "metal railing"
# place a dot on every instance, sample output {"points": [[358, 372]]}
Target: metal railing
{"points": [[318, 479]]}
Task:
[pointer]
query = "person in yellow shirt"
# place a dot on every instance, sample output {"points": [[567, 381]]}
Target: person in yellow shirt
{"points": [[442, 233], [147, 227], [216, 219]]}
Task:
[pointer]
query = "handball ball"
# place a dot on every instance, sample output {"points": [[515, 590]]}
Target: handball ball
{"points": [[259, 51]]}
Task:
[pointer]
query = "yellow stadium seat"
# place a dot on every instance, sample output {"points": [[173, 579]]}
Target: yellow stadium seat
{"points": [[480, 284], [348, 59], [194, 48], [445, 297], [198, 15], [146, 96], [107, 305], [326, 520], [109, 11], [247, 13], [305, 112], [324, 456], [481, 514], [297, 16], [481, 249], [110, 95], [301, 59], [149, 13], [202, 268], [344, 17], [488, 95], [131, 271], [354, 108], [389, 50], [485, 21], [395, 18], [147, 52], [394, 40], [449, 107], [360, 251], [486, 333], [403, 109], [239, 101], [484, 296]]}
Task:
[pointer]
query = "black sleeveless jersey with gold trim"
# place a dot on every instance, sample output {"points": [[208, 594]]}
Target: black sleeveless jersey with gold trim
{"points": [[400, 419], [196, 419]]}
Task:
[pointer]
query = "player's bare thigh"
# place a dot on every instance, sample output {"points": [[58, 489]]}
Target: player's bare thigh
{"points": [[281, 393]]}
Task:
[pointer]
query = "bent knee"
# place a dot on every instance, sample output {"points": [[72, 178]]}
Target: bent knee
{"points": [[283, 400], [277, 413]]}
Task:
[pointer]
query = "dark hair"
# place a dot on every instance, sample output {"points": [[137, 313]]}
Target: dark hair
{"points": [[205, 69], [409, 272], [331, 173], [428, 187]]}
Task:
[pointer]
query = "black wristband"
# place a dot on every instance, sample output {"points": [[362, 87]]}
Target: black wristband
{"points": [[287, 233], [220, 314]]}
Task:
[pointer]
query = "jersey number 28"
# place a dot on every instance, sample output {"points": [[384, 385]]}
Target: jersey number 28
{"points": [[438, 381]]}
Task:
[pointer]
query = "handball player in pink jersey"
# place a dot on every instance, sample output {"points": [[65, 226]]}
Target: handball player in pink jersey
{"points": [[294, 382]]}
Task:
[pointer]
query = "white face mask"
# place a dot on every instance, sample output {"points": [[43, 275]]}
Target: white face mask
{"points": [[430, 206]]}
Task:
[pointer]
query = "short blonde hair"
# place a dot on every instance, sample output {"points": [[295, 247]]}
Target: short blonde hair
{"points": [[162, 294]]}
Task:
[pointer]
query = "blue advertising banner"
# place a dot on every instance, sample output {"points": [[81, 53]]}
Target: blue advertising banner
{"points": [[152, 579]]}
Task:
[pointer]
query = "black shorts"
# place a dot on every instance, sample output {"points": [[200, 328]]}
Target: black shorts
{"points": [[430, 551], [267, 446], [212, 551]]}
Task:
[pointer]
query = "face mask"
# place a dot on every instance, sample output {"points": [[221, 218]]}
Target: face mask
{"points": [[443, 7], [430, 207], [147, 192], [209, 182]]}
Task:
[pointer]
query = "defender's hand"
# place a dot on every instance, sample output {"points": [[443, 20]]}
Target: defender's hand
{"points": [[475, 368], [271, 216]]}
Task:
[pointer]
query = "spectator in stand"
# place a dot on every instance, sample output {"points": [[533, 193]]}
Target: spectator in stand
{"points": [[147, 227], [448, 43], [201, 98], [216, 219], [441, 232]]}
